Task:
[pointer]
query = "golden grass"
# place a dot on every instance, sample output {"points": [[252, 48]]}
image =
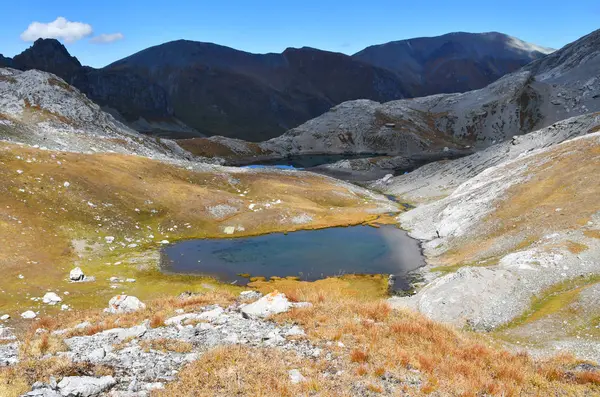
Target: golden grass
{"points": [[552, 300], [133, 197], [557, 179], [592, 233], [376, 341], [576, 248]]}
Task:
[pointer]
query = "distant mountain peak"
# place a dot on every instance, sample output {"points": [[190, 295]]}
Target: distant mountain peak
{"points": [[48, 55]]}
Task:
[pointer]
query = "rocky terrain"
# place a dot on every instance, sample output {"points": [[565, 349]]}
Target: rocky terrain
{"points": [[548, 90], [454, 62], [517, 222], [42, 110], [510, 231], [186, 89]]}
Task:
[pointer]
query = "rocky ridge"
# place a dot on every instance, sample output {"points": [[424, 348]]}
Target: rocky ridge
{"points": [[186, 89], [565, 85]]}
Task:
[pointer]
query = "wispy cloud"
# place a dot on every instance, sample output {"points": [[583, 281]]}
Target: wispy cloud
{"points": [[60, 28], [105, 38]]}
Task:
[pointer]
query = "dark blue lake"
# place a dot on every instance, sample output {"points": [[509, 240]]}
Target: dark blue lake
{"points": [[309, 255]]}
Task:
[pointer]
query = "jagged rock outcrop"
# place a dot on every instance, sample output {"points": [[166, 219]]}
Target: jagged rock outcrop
{"points": [[39, 108], [49, 56], [454, 62]]}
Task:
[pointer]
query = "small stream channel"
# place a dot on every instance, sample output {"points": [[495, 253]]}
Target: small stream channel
{"points": [[307, 254]]}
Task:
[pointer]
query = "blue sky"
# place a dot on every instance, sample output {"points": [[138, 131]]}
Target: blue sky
{"points": [[270, 26]]}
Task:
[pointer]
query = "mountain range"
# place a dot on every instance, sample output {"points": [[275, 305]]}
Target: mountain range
{"points": [[186, 89]]}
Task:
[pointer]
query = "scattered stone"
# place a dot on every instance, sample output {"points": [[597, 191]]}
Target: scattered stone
{"points": [[295, 331], [250, 295], [270, 304], [124, 304], [109, 239], [51, 298], [6, 334], [296, 377], [28, 314]]}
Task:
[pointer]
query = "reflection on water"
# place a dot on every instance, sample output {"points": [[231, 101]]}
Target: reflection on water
{"points": [[310, 255]]}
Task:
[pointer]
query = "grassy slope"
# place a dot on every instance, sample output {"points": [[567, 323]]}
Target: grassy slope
{"points": [[556, 179], [567, 178], [46, 228]]}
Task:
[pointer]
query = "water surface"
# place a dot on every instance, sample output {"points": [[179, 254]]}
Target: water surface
{"points": [[308, 254]]}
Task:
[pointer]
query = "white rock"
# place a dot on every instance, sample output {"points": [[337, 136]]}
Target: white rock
{"points": [[296, 376], [109, 239], [295, 331], [248, 295], [270, 304], [85, 386], [130, 280], [177, 320], [64, 307], [211, 315], [126, 333], [229, 230], [76, 274], [97, 354], [51, 298], [21, 276], [28, 314], [66, 184], [164, 242], [4, 317], [83, 325], [124, 304]]}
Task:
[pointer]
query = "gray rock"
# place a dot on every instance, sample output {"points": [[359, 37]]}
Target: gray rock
{"points": [[296, 377], [124, 304], [85, 386]]}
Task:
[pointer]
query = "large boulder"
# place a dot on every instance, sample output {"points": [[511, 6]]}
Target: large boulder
{"points": [[76, 274], [85, 386], [273, 303], [124, 304]]}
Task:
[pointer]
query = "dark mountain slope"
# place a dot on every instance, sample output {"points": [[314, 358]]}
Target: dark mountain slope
{"points": [[454, 62]]}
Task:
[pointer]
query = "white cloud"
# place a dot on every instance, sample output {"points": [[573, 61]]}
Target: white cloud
{"points": [[107, 38], [61, 28]]}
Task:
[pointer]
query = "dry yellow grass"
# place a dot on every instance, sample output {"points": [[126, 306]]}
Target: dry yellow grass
{"points": [[558, 179], [377, 341], [46, 228]]}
